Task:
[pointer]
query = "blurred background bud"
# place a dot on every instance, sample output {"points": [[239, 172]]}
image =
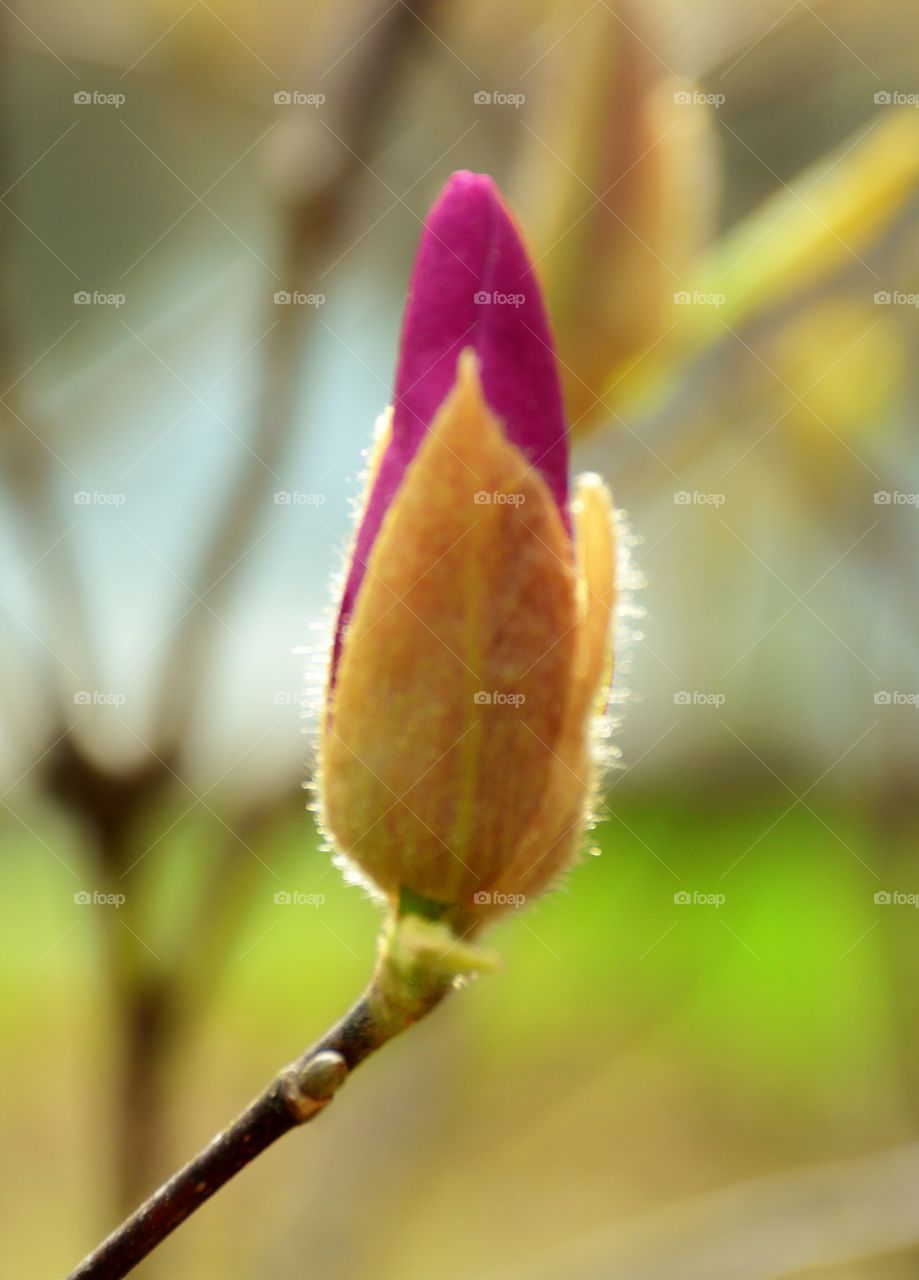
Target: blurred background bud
{"points": [[618, 187]]}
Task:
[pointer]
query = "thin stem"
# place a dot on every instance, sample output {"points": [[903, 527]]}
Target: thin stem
{"points": [[296, 1095]]}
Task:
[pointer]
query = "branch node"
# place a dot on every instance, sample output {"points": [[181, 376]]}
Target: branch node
{"points": [[307, 1087]]}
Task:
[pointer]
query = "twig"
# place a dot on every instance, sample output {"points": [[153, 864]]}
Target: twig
{"points": [[296, 1095]]}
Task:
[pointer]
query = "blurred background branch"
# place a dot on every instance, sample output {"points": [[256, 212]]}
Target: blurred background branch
{"points": [[108, 801], [775, 1227]]}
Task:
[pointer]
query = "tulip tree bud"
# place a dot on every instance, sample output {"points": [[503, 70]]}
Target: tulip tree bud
{"points": [[473, 645]]}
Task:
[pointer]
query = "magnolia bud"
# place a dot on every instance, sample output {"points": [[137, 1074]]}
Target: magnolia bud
{"points": [[474, 636]]}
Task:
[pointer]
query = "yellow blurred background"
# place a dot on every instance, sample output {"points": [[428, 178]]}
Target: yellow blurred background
{"points": [[700, 1056]]}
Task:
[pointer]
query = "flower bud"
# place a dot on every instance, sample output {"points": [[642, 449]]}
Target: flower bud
{"points": [[617, 177], [474, 632]]}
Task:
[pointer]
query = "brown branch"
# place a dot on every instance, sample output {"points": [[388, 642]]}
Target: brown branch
{"points": [[296, 1095]]}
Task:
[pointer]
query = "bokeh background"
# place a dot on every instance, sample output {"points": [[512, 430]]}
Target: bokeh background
{"points": [[700, 1058]]}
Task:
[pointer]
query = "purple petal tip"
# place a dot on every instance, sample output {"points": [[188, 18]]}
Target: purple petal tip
{"points": [[472, 285]]}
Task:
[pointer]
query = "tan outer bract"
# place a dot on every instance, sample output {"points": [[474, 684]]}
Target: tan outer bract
{"points": [[456, 738], [548, 846]]}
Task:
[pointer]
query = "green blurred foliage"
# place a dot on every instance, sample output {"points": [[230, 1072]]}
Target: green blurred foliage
{"points": [[634, 1050]]}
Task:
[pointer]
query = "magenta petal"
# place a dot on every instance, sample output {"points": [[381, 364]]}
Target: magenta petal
{"points": [[472, 286]]}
